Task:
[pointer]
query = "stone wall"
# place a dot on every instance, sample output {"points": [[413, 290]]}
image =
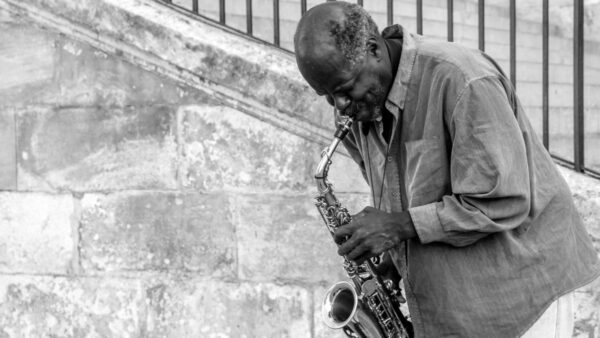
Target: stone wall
{"points": [[148, 193]]}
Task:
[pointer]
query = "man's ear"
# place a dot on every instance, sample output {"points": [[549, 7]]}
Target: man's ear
{"points": [[373, 48]]}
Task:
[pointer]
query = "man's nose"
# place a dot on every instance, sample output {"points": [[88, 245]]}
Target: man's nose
{"points": [[341, 103]]}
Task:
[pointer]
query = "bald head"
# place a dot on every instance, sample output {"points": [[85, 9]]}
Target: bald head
{"points": [[334, 29], [342, 57]]}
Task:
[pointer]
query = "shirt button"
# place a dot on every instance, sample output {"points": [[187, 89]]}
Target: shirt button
{"points": [[389, 159], [395, 194]]}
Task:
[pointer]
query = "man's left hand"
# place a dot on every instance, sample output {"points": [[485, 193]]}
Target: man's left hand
{"points": [[372, 232]]}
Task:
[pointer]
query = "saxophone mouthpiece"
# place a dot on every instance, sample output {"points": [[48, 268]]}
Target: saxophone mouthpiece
{"points": [[343, 128]]}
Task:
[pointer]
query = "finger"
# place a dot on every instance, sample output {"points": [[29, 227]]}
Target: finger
{"points": [[348, 245], [359, 215], [357, 252], [363, 258], [341, 234], [367, 210], [355, 223]]}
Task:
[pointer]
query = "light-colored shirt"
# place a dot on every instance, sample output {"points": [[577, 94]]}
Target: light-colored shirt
{"points": [[499, 238]]}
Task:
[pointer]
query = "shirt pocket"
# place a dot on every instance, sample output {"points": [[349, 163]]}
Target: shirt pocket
{"points": [[426, 175]]}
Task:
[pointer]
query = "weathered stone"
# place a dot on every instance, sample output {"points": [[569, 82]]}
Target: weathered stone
{"points": [[258, 72], [355, 203], [35, 233], [589, 210], [284, 238], [322, 330], [92, 149], [226, 149], [8, 162], [586, 193], [65, 73], [587, 311], [158, 231], [54, 69], [65, 307], [26, 60], [345, 175], [223, 309]]}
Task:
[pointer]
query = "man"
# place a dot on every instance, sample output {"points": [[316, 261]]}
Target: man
{"points": [[478, 220]]}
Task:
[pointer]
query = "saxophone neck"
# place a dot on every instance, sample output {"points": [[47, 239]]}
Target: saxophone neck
{"points": [[323, 167]]}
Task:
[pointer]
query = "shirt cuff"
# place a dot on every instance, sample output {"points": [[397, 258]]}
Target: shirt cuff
{"points": [[426, 222]]}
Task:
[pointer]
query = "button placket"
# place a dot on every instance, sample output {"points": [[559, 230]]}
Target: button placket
{"points": [[392, 177]]}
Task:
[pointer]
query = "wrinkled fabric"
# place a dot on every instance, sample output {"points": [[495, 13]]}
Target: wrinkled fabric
{"points": [[499, 238]]}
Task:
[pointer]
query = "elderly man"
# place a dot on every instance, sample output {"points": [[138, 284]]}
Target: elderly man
{"points": [[479, 222]]}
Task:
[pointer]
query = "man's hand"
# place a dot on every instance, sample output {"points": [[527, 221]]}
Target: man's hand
{"points": [[372, 232]]}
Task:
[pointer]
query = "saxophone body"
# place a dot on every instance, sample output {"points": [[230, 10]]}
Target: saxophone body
{"points": [[369, 305]]}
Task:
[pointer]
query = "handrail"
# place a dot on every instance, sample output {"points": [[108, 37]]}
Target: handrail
{"points": [[578, 162]]}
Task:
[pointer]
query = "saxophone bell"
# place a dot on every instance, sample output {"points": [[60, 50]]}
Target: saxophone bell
{"points": [[339, 305], [342, 309]]}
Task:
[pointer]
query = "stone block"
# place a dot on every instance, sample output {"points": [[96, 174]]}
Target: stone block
{"points": [[158, 231], [284, 238], [35, 233], [87, 76], [535, 116], [561, 74], [530, 53], [226, 149], [262, 28], [68, 307], [531, 41], [96, 149], [591, 80], [8, 162], [530, 72], [497, 36], [561, 96], [226, 309], [26, 59], [435, 13], [530, 93], [587, 311], [57, 70], [345, 175], [355, 202], [586, 195], [433, 29]]}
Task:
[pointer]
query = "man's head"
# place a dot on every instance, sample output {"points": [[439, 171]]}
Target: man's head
{"points": [[342, 56]]}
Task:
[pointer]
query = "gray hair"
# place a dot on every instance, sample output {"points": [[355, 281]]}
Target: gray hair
{"points": [[351, 35]]}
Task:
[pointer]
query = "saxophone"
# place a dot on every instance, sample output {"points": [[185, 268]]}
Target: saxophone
{"points": [[369, 306]]}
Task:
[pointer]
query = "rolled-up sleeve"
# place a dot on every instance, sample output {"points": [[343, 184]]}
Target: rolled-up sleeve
{"points": [[489, 172]]}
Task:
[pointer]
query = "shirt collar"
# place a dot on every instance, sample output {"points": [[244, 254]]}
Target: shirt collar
{"points": [[397, 93]]}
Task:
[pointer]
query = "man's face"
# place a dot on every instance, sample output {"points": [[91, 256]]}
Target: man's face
{"points": [[359, 91]]}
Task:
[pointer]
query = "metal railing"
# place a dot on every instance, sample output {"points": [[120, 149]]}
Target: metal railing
{"points": [[578, 162]]}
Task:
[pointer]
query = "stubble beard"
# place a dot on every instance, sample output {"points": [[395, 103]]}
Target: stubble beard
{"points": [[378, 103]]}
